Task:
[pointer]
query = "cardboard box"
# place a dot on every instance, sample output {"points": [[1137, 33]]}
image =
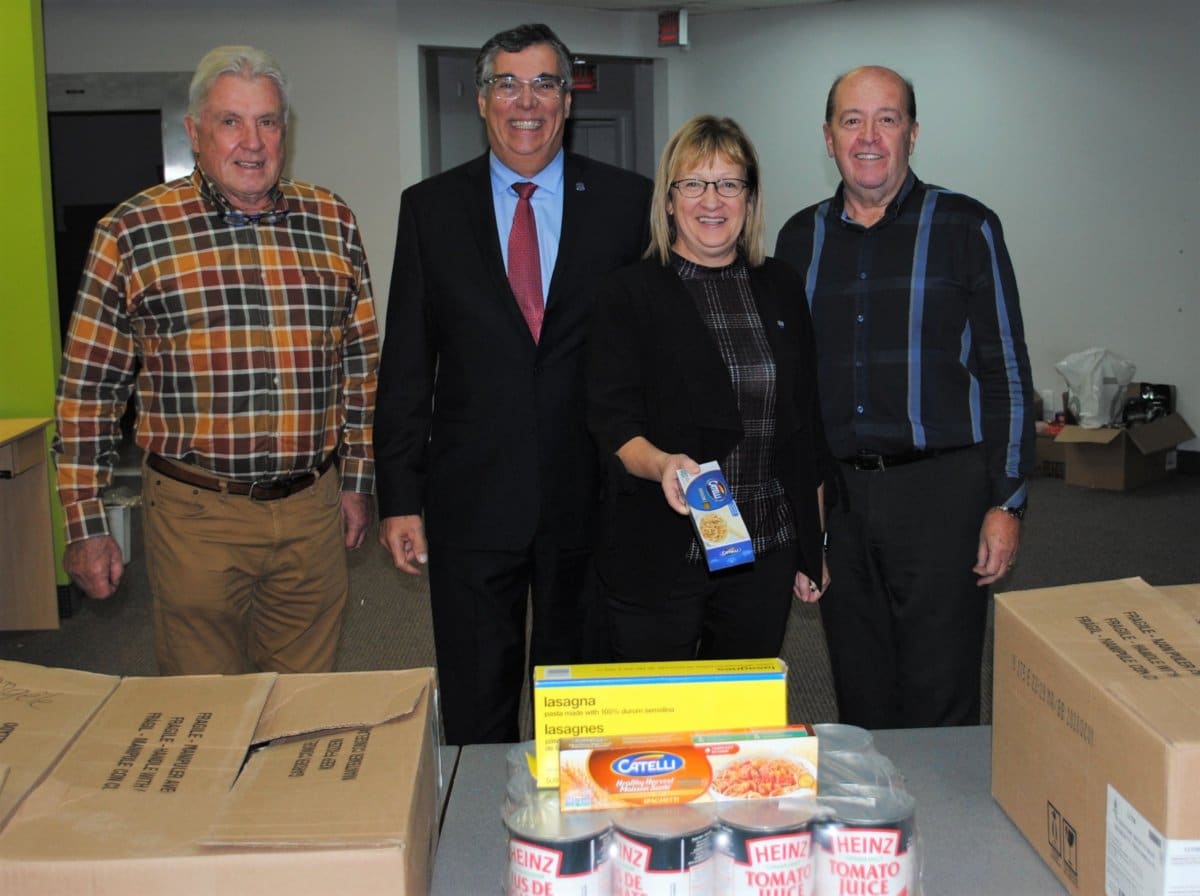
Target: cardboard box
{"points": [[1096, 733], [1122, 459], [217, 785], [601, 699], [41, 710], [700, 767], [1051, 457]]}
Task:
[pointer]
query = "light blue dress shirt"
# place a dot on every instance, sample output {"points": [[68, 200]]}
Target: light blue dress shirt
{"points": [[547, 202]]}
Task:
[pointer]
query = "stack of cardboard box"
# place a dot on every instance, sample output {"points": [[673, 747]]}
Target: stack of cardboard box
{"points": [[212, 785]]}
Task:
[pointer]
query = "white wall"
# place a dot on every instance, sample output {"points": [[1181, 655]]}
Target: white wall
{"points": [[1075, 120]]}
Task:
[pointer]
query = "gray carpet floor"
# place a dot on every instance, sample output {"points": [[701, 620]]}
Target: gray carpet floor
{"points": [[1071, 535]]}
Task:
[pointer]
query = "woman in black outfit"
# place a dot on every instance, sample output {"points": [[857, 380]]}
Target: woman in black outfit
{"points": [[704, 351]]}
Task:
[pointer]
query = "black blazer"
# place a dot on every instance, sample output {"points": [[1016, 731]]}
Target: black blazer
{"points": [[655, 371], [475, 424]]}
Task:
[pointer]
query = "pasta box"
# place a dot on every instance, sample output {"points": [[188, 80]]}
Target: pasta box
{"points": [[1096, 732], [606, 699], [661, 770], [719, 526]]}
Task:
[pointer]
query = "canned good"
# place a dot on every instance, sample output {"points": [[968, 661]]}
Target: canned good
{"points": [[849, 760], [764, 848], [663, 851], [866, 847], [552, 853]]}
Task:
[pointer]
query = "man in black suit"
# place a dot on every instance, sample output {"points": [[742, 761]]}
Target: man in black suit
{"points": [[480, 414]]}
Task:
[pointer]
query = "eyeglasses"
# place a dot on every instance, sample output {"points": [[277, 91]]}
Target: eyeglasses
{"points": [[509, 87], [242, 219], [694, 188]]}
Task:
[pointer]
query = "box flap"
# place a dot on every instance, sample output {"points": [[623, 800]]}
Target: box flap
{"points": [[1160, 435], [1121, 635], [147, 776], [41, 711], [1079, 435], [282, 797], [304, 704]]}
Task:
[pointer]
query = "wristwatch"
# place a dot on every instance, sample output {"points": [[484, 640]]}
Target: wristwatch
{"points": [[1017, 511]]}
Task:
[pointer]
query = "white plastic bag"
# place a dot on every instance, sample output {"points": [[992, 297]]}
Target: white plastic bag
{"points": [[1096, 380]]}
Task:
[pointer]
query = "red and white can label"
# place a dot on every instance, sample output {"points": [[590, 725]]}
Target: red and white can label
{"points": [[663, 866], [563, 869], [862, 861], [779, 865]]}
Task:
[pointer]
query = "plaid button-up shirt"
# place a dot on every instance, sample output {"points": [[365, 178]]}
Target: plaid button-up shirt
{"points": [[256, 339]]}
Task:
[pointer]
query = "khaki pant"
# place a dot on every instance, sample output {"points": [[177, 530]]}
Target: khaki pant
{"points": [[241, 585]]}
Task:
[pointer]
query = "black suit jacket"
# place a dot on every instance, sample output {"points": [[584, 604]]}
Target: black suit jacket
{"points": [[655, 371], [475, 424]]}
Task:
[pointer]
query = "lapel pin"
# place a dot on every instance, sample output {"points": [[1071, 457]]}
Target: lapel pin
{"points": [[779, 323], [579, 187]]}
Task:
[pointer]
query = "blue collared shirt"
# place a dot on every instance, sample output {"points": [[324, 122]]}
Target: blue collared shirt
{"points": [[547, 203], [920, 341]]}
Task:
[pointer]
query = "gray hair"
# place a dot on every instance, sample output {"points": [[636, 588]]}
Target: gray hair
{"points": [[514, 41], [249, 62]]}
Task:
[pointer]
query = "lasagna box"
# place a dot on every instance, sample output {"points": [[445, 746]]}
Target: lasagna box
{"points": [[1096, 732], [605, 699], [211, 785]]}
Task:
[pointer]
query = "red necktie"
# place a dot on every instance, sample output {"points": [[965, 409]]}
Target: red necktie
{"points": [[524, 264]]}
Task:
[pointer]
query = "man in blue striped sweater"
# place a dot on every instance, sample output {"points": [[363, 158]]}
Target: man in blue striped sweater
{"points": [[927, 400]]}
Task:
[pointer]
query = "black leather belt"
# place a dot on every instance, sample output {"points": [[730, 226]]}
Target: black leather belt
{"points": [[877, 463], [263, 490]]}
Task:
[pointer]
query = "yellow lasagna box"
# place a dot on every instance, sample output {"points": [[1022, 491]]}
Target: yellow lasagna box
{"points": [[606, 699], [661, 770]]}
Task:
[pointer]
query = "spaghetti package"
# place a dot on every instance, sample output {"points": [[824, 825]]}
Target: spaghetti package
{"points": [[660, 770], [719, 527]]}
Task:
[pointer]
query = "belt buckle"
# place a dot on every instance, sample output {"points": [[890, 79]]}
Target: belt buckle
{"points": [[264, 484], [872, 463]]}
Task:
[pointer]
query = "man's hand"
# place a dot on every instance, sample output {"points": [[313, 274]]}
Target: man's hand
{"points": [[356, 518], [999, 538], [95, 565], [404, 538], [808, 591]]}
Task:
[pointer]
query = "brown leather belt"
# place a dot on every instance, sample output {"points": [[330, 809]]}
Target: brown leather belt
{"points": [[263, 490]]}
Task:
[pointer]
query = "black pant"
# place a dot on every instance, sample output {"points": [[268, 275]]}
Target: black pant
{"points": [[903, 616], [739, 613], [479, 601]]}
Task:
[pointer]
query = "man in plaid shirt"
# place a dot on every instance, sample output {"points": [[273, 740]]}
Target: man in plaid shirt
{"points": [[238, 302]]}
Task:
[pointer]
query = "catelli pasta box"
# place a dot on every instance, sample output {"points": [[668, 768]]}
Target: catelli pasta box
{"points": [[702, 767], [606, 699], [1096, 733], [719, 526], [214, 785]]}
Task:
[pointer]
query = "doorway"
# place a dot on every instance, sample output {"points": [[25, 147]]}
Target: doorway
{"points": [[612, 122]]}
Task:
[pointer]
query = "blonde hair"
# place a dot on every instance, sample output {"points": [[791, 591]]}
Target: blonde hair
{"points": [[701, 139]]}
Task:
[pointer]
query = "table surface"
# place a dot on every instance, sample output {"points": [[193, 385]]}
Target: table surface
{"points": [[969, 845]]}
